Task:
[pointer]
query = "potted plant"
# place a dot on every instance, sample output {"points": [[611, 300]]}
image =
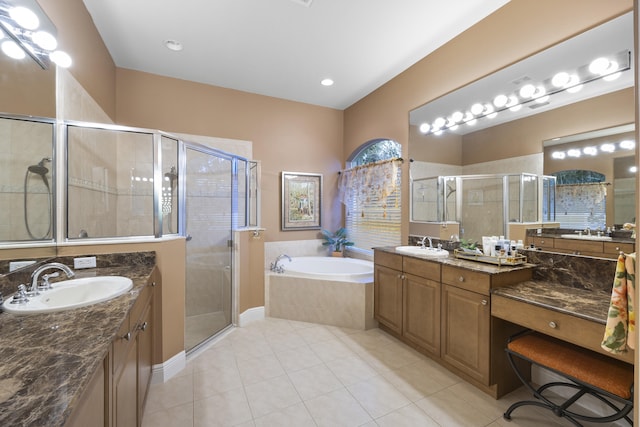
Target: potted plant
{"points": [[337, 240]]}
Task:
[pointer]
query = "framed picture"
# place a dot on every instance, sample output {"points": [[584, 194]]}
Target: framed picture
{"points": [[301, 200]]}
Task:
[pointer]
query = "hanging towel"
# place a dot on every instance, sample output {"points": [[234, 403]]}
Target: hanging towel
{"points": [[619, 334]]}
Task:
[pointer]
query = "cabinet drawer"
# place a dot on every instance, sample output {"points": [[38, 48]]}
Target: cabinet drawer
{"points": [[578, 246], [388, 260], [422, 268], [121, 343], [568, 328], [614, 248], [542, 242], [139, 306], [466, 279]]}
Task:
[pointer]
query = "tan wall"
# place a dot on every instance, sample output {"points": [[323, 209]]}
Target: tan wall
{"points": [[170, 259], [250, 270], [286, 135], [78, 36]]}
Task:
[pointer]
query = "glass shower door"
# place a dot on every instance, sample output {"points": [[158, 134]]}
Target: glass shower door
{"points": [[208, 225]]}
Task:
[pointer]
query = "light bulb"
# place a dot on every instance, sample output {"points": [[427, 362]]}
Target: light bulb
{"points": [[558, 155], [608, 148], [25, 17], [500, 100], [627, 144], [573, 152], [12, 50], [590, 151], [633, 169], [45, 40], [425, 127], [598, 65], [527, 90], [61, 58], [561, 79], [477, 108], [457, 116], [439, 122]]}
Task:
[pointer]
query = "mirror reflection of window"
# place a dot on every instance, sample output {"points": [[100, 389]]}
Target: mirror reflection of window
{"points": [[581, 200]]}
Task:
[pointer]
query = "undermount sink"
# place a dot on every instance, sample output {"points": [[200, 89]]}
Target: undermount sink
{"points": [[586, 237], [422, 252], [69, 294]]}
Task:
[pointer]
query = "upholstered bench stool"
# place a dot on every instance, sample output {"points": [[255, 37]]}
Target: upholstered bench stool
{"points": [[588, 372]]}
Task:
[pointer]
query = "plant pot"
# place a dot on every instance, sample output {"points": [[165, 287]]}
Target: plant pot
{"points": [[337, 253]]}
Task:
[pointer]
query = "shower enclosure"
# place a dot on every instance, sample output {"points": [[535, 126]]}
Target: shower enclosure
{"points": [[484, 205]]}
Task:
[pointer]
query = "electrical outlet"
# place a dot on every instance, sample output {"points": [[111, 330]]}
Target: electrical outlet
{"points": [[84, 262], [14, 265]]}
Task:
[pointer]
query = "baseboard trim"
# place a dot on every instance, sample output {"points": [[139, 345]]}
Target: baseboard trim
{"points": [[164, 371], [251, 315]]}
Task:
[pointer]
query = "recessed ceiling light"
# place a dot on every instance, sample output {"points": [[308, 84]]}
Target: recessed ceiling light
{"points": [[326, 82], [174, 45]]}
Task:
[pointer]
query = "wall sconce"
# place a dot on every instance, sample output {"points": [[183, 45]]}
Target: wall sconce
{"points": [[26, 30], [534, 93]]}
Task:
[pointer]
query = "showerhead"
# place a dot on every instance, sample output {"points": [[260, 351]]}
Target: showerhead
{"points": [[171, 176], [40, 168]]}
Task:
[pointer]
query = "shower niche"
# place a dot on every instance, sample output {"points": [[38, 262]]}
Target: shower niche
{"points": [[483, 204]]}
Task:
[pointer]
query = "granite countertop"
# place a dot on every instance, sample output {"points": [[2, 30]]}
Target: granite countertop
{"points": [[582, 303], [462, 263], [48, 359]]}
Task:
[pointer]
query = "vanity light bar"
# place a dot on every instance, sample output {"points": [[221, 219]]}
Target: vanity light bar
{"points": [[607, 147], [29, 32], [538, 93]]}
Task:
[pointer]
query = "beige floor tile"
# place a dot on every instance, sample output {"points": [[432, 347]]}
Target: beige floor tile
{"points": [[336, 409], [175, 392], [448, 410], [259, 369], [224, 409], [315, 381], [378, 396], [216, 380], [316, 334], [298, 358], [331, 350], [282, 341], [408, 416], [247, 348], [293, 416], [420, 379], [213, 358], [181, 415], [351, 369], [271, 395]]}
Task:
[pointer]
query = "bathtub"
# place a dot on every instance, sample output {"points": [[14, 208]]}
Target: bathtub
{"points": [[326, 290]]}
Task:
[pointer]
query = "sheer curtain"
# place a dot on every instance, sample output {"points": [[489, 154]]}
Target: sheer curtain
{"points": [[371, 194]]}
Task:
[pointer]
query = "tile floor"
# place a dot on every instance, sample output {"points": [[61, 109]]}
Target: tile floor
{"points": [[280, 373]]}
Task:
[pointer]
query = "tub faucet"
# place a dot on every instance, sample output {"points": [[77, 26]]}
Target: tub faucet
{"points": [[278, 268], [36, 274]]}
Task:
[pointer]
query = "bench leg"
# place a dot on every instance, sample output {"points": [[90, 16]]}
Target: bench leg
{"points": [[562, 410]]}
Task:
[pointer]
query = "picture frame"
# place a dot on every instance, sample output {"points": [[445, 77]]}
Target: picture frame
{"points": [[301, 201]]}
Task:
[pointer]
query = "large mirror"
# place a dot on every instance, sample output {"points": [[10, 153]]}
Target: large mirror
{"points": [[508, 131]]}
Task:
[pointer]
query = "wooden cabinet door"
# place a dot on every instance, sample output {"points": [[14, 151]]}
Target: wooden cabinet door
{"points": [[387, 297], [466, 332], [145, 348], [421, 323], [125, 404]]}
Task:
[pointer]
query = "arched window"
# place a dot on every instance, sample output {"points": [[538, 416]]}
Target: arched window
{"points": [[370, 190], [581, 199]]}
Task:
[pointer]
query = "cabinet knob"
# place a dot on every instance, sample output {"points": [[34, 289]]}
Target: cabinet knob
{"points": [[153, 284], [461, 279], [127, 336], [617, 248], [143, 327], [542, 242], [484, 302], [553, 324]]}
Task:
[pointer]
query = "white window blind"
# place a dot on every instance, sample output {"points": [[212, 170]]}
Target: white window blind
{"points": [[372, 197], [581, 205]]}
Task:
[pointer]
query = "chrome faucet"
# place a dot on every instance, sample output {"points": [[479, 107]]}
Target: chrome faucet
{"points": [[278, 268], [422, 242], [36, 275]]}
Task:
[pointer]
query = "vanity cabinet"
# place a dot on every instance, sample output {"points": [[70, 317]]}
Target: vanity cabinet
{"points": [[444, 311], [132, 354], [581, 247], [387, 291]]}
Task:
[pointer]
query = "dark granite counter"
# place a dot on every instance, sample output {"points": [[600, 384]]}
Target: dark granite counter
{"points": [[462, 263], [48, 359]]}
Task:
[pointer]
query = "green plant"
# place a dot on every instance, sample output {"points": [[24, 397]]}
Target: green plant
{"points": [[338, 239], [468, 244]]}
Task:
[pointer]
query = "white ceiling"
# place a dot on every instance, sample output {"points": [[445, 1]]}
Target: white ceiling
{"points": [[282, 48]]}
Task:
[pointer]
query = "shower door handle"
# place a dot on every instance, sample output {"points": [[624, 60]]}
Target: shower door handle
{"points": [[189, 237]]}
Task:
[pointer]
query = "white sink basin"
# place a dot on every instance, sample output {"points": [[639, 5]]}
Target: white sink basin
{"points": [[586, 237], [422, 252], [70, 294]]}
